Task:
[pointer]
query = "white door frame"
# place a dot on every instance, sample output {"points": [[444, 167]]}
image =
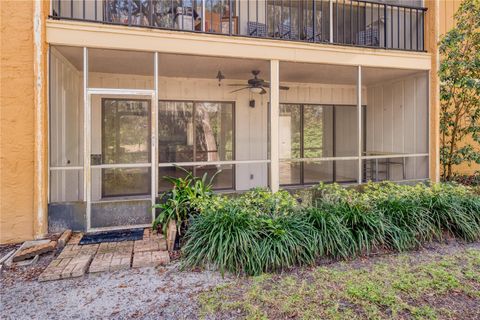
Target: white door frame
{"points": [[90, 92]]}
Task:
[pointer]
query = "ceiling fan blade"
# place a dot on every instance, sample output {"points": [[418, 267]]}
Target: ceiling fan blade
{"points": [[267, 85], [263, 91], [239, 89]]}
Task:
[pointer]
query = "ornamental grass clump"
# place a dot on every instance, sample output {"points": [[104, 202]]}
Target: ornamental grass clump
{"points": [[366, 226], [455, 209], [332, 238], [286, 241], [262, 232], [226, 238], [407, 220], [251, 234]]}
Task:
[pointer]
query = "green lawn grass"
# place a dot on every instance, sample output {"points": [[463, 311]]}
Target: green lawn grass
{"points": [[415, 285]]}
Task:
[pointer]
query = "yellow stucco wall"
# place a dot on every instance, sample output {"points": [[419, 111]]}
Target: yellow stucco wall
{"points": [[447, 22], [16, 121]]}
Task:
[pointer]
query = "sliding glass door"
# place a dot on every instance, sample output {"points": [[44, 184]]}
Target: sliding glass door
{"points": [[196, 136], [315, 142]]}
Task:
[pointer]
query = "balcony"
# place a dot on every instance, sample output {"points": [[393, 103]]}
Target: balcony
{"points": [[338, 22]]}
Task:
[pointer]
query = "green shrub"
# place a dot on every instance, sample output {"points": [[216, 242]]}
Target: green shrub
{"points": [[226, 238], [333, 238], [261, 232], [188, 195], [407, 220], [253, 233], [287, 241], [455, 209], [356, 213], [263, 201]]}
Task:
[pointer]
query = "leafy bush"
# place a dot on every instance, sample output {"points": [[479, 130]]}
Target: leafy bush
{"points": [[188, 195], [262, 201], [260, 232]]}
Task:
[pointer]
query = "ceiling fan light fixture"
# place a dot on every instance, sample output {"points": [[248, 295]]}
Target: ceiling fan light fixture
{"points": [[256, 90]]}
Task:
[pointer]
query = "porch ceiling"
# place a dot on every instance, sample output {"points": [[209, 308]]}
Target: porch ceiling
{"points": [[203, 67]]}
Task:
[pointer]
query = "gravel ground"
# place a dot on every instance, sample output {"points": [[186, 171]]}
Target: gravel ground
{"points": [[148, 293]]}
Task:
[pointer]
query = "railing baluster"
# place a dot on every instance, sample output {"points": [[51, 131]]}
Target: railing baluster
{"points": [[337, 23], [404, 29], [96, 9], [378, 23], [411, 35], [256, 15], [130, 12], [330, 21], [398, 26], [299, 21], [314, 22], [371, 21], [274, 15], [150, 11], [59, 8], [290, 26], [391, 27], [83, 9], [321, 21], [423, 30], [351, 22], [280, 27], [416, 28], [239, 19], [385, 26], [358, 23], [248, 16], [172, 14], [221, 16], [266, 18], [230, 16], [71, 9], [343, 22]]}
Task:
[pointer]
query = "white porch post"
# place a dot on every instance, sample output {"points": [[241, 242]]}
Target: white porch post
{"points": [[274, 111], [359, 109], [86, 138], [154, 130]]}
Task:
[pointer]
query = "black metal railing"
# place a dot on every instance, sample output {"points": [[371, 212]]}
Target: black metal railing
{"points": [[344, 22]]}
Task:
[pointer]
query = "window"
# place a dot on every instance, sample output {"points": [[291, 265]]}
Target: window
{"points": [[309, 133], [196, 132]]}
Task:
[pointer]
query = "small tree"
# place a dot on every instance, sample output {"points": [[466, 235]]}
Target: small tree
{"points": [[460, 89]]}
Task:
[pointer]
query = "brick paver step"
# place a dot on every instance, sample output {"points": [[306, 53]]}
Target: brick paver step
{"points": [[63, 268], [74, 250], [150, 245], [111, 261], [150, 259]]}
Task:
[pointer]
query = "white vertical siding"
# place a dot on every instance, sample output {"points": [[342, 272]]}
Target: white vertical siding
{"points": [[398, 122]]}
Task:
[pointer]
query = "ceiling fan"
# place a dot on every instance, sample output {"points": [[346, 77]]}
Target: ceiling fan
{"points": [[256, 84]]}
